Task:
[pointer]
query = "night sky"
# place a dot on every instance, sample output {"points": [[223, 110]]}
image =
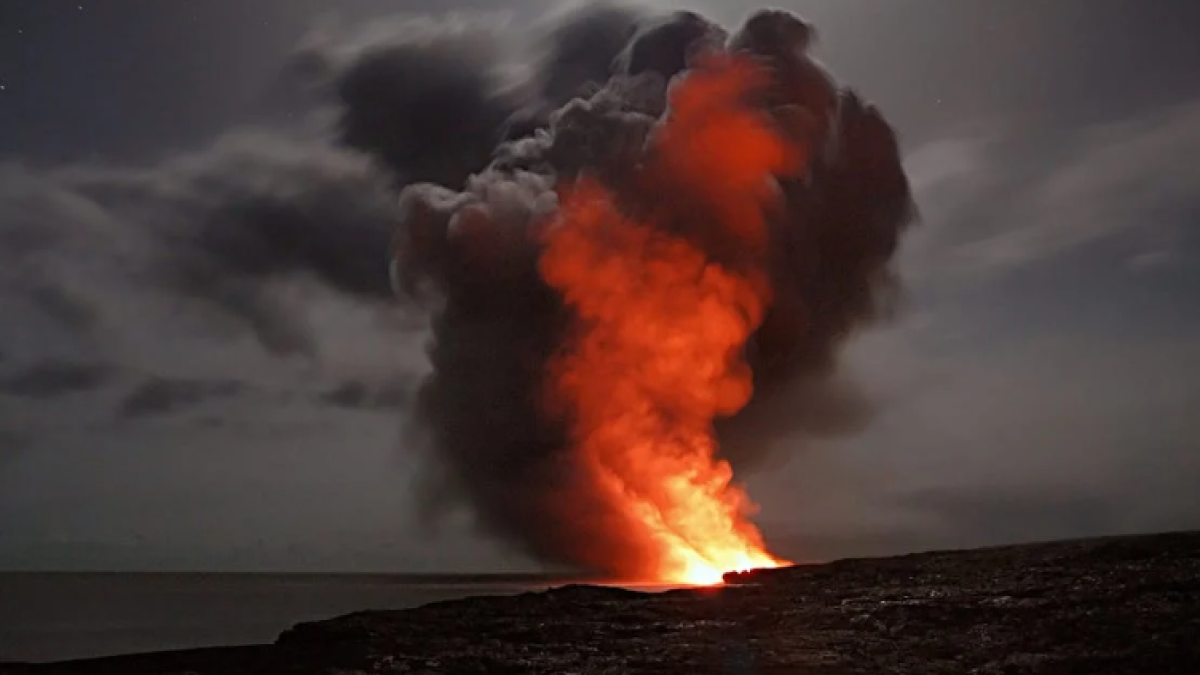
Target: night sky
{"points": [[1041, 381]]}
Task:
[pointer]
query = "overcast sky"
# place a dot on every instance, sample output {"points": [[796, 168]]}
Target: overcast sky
{"points": [[1042, 381]]}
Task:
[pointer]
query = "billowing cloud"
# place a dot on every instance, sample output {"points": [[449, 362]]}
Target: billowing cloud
{"points": [[212, 234], [498, 324]]}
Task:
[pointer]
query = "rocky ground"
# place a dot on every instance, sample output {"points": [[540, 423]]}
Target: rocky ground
{"points": [[1120, 605]]}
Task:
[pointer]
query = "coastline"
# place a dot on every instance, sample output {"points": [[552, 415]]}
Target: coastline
{"points": [[1112, 605]]}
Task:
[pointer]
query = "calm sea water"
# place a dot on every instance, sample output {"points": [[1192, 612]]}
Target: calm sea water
{"points": [[52, 617]]}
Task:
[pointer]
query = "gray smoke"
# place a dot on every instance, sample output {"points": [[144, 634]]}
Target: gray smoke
{"points": [[486, 438]]}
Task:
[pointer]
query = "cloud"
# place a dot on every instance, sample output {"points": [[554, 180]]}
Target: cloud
{"points": [[1154, 260], [1027, 437], [258, 264], [12, 443], [991, 514], [245, 238], [162, 396], [213, 234], [51, 379], [388, 396], [994, 204]]}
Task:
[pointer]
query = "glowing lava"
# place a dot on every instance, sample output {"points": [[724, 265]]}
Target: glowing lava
{"points": [[662, 316]]}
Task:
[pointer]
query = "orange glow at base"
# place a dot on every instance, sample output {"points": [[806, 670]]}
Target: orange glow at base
{"points": [[656, 352]]}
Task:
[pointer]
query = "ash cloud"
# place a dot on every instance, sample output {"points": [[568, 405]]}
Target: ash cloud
{"points": [[496, 324]]}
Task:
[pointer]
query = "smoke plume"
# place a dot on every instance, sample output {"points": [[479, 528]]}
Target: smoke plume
{"points": [[473, 252]]}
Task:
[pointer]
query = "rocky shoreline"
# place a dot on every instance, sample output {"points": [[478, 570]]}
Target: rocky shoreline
{"points": [[1114, 605]]}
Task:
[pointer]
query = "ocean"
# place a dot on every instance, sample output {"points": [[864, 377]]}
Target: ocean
{"points": [[62, 616]]}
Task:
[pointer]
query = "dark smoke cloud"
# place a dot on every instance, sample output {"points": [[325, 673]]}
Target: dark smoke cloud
{"points": [[581, 48], [488, 439], [666, 44]]}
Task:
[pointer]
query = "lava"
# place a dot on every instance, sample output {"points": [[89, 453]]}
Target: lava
{"points": [[665, 290]]}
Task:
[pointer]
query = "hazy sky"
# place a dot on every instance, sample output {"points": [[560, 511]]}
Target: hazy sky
{"points": [[1043, 379]]}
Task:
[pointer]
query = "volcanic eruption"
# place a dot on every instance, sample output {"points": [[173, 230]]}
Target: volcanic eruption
{"points": [[640, 272]]}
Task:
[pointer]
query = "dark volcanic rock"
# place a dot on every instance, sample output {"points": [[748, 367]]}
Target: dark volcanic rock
{"points": [[1121, 605]]}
